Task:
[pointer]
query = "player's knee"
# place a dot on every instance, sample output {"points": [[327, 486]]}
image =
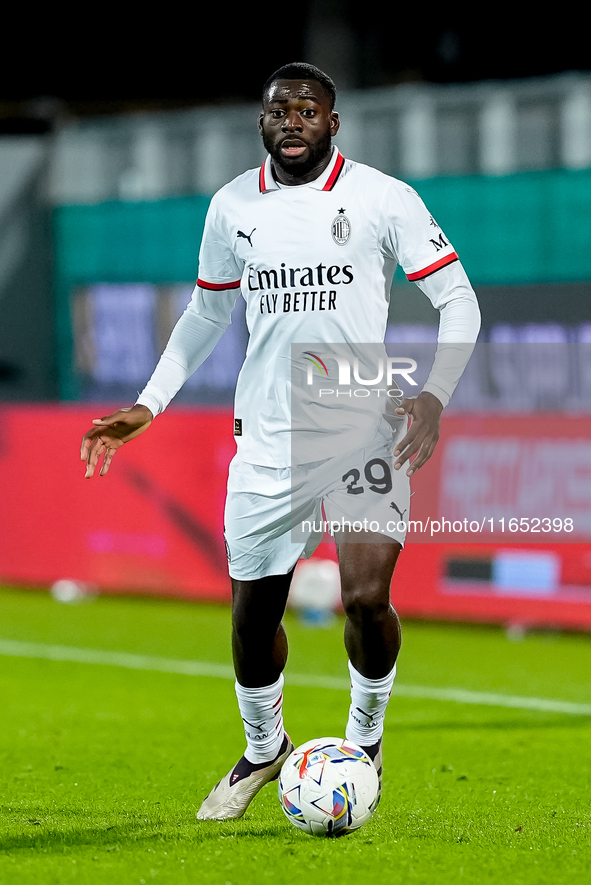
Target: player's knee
{"points": [[366, 601]]}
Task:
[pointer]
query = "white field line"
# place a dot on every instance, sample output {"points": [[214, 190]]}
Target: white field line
{"points": [[12, 648]]}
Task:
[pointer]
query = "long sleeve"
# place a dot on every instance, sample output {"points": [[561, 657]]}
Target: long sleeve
{"points": [[449, 290], [193, 338], [410, 236]]}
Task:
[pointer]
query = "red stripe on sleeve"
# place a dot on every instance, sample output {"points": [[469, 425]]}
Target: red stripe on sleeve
{"points": [[219, 286], [421, 274], [335, 173]]}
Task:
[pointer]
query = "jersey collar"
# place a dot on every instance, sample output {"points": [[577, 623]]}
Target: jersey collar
{"points": [[324, 182]]}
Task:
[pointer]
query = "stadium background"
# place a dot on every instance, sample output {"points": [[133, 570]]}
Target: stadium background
{"points": [[106, 177]]}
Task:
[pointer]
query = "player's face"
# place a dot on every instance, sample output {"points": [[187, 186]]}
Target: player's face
{"points": [[297, 125]]}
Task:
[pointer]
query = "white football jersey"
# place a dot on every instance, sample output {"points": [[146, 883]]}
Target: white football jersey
{"points": [[315, 264]]}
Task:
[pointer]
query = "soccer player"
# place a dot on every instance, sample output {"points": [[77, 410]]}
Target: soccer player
{"points": [[311, 241]]}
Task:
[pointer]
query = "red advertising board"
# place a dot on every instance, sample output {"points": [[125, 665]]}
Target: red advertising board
{"points": [[502, 516], [155, 523]]}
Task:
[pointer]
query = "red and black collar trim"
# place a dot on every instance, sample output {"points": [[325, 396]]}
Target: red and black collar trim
{"points": [[337, 169], [332, 172]]}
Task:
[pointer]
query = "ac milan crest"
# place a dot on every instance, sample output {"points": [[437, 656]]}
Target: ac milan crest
{"points": [[341, 228]]}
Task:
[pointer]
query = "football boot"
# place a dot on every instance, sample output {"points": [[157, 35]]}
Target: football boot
{"points": [[375, 754], [231, 796]]}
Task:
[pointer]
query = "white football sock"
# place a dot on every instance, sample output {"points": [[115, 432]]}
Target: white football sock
{"points": [[369, 699], [262, 714]]}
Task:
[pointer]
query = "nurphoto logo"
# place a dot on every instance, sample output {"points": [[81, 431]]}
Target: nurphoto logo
{"points": [[391, 366]]}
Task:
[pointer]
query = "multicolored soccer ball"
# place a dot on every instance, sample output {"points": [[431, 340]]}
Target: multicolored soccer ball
{"points": [[328, 787]]}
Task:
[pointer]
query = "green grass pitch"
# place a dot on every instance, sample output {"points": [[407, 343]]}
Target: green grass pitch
{"points": [[102, 768]]}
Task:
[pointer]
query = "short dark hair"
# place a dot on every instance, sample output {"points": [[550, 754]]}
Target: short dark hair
{"points": [[301, 70]]}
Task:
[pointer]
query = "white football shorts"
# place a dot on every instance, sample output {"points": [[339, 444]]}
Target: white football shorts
{"points": [[275, 516]]}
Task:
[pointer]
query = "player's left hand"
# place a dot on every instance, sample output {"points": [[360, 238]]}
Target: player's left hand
{"points": [[425, 411]]}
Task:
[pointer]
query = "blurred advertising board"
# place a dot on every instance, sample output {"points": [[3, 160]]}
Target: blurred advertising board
{"points": [[119, 330], [501, 513], [501, 523], [154, 524]]}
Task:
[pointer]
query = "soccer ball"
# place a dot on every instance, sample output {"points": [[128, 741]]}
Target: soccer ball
{"points": [[328, 787]]}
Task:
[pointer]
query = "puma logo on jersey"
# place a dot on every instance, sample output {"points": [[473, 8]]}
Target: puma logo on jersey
{"points": [[246, 236]]}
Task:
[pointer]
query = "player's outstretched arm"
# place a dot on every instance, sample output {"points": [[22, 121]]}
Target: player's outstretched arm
{"points": [[425, 411], [110, 433]]}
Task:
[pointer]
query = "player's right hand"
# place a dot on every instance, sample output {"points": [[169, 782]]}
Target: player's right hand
{"points": [[110, 433]]}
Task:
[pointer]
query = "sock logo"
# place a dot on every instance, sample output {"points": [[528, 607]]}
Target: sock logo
{"points": [[370, 718], [256, 737], [252, 724]]}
